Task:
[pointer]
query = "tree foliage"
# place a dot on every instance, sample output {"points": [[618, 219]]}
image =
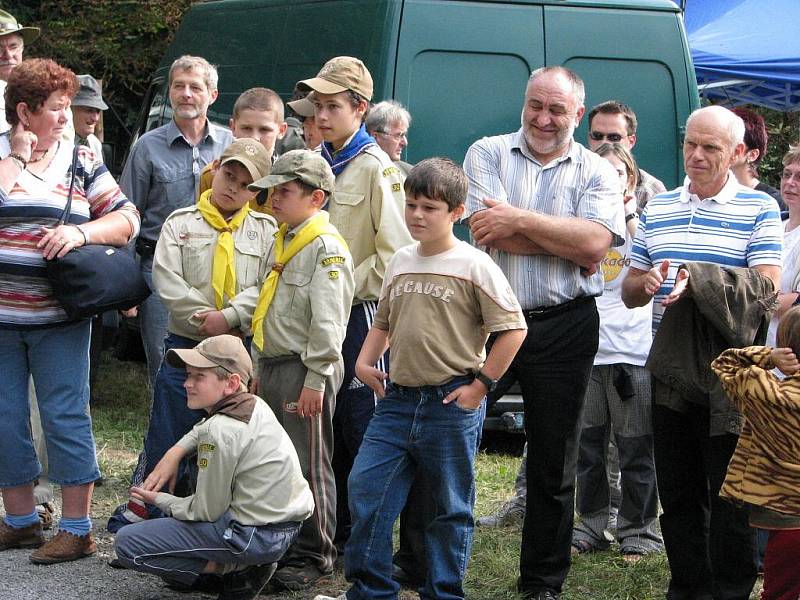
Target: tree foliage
{"points": [[783, 129], [118, 41]]}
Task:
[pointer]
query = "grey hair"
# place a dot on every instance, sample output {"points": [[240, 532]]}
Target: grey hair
{"points": [[578, 90], [199, 64], [383, 114], [731, 121]]}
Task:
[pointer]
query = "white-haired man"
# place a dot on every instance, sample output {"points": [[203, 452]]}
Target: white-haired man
{"points": [[729, 231]]}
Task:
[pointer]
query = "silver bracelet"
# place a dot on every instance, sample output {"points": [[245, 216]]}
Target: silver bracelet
{"points": [[84, 233]]}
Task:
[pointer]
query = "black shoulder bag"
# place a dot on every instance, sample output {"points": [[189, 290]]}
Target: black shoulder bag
{"points": [[94, 278]]}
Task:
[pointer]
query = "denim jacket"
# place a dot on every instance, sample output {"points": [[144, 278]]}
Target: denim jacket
{"points": [[721, 308]]}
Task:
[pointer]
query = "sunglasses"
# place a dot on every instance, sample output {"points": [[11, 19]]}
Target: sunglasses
{"points": [[598, 136]]}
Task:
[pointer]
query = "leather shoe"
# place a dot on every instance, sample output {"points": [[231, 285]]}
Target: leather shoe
{"points": [[64, 547], [24, 537]]}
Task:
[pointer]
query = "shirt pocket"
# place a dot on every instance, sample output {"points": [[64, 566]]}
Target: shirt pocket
{"points": [[349, 214], [248, 263], [292, 300], [177, 183], [197, 259]]}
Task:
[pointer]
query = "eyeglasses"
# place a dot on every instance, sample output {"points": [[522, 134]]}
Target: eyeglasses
{"points": [[395, 136], [599, 136]]}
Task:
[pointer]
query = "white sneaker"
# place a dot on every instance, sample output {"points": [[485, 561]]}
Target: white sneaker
{"points": [[342, 596]]}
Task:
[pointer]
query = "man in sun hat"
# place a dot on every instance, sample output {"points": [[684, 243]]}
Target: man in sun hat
{"points": [[250, 497], [86, 107], [367, 209], [13, 38], [299, 325]]}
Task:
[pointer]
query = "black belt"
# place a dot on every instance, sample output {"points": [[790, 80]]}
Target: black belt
{"points": [[543, 312]]}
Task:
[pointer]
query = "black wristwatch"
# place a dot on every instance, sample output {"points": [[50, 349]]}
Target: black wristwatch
{"points": [[491, 384]]}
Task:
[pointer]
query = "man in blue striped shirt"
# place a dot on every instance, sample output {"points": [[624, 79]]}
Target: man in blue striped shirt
{"points": [[710, 219], [547, 210]]}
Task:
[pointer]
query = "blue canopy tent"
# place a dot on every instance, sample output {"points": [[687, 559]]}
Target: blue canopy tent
{"points": [[746, 51]]}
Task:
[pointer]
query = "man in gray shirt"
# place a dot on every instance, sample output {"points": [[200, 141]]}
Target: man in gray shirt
{"points": [[163, 172]]}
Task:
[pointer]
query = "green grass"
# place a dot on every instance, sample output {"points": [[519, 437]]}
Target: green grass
{"points": [[120, 419]]}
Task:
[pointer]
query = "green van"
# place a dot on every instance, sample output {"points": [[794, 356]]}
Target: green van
{"points": [[460, 66]]}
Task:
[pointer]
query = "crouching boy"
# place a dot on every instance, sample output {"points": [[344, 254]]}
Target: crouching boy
{"points": [[440, 300], [298, 327], [251, 496]]}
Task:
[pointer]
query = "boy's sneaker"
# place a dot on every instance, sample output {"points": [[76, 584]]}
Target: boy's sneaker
{"points": [[64, 547], [45, 512], [511, 513], [247, 583], [296, 577], [23, 537]]}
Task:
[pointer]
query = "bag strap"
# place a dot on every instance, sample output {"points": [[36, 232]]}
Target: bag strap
{"points": [[73, 168]]}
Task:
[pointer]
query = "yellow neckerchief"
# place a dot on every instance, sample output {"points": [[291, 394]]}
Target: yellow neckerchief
{"points": [[316, 226], [223, 272]]}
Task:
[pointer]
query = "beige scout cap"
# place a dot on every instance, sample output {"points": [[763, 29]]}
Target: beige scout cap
{"points": [[8, 24], [251, 154], [306, 165], [226, 351], [303, 107], [340, 74]]}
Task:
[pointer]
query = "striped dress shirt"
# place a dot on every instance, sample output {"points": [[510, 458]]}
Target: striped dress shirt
{"points": [[578, 184]]}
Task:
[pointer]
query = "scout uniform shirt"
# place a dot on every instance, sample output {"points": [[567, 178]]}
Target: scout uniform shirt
{"points": [[367, 209], [182, 267], [308, 314], [248, 469]]}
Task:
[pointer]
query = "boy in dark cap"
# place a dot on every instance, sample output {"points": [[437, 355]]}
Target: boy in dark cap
{"points": [[251, 496]]}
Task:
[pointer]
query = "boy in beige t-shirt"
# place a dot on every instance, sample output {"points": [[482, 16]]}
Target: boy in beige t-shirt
{"points": [[440, 300]]}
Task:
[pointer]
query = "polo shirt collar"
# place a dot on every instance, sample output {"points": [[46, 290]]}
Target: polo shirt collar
{"points": [[725, 195], [572, 153]]}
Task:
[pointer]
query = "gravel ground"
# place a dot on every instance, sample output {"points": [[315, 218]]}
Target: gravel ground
{"points": [[91, 578]]}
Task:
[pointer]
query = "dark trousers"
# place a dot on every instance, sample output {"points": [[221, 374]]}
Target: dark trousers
{"points": [[553, 367], [710, 546]]}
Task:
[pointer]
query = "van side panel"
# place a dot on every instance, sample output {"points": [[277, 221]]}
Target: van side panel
{"points": [[462, 69], [637, 57]]}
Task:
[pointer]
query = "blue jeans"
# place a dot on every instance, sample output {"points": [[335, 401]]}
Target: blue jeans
{"points": [[170, 418], [153, 318], [413, 434], [58, 360]]}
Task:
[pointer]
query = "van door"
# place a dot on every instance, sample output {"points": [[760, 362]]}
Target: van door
{"points": [[462, 69], [639, 57]]}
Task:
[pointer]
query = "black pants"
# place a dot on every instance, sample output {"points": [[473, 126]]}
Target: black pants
{"points": [[553, 367], [710, 546]]}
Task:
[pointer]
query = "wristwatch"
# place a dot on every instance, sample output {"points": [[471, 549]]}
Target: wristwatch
{"points": [[491, 384]]}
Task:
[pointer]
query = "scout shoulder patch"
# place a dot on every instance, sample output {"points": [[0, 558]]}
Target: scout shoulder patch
{"points": [[206, 448], [333, 260], [396, 187], [389, 170], [333, 274], [202, 463]]}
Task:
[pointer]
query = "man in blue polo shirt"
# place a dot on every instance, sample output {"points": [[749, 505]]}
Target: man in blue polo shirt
{"points": [[710, 219]]}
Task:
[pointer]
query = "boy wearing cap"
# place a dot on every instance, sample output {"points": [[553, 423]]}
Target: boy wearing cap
{"points": [[441, 299], [298, 327], [208, 267], [250, 497], [86, 107], [367, 209]]}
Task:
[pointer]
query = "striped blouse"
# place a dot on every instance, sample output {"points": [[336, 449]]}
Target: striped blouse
{"points": [[26, 297], [765, 468]]}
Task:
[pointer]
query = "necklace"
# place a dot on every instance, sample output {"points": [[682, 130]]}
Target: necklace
{"points": [[35, 160]]}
